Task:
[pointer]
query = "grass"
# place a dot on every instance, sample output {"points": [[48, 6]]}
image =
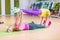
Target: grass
{"points": [[4, 33]]}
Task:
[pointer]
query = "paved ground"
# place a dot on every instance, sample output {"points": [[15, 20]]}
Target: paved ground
{"points": [[52, 33]]}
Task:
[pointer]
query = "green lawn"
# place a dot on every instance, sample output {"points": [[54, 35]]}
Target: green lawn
{"points": [[4, 33]]}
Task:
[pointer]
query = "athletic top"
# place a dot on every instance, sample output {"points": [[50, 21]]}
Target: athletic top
{"points": [[45, 12]]}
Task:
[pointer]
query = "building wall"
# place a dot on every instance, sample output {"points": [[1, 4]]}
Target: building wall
{"points": [[7, 5], [0, 7], [26, 3]]}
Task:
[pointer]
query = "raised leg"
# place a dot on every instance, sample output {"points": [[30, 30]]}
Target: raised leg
{"points": [[44, 22]]}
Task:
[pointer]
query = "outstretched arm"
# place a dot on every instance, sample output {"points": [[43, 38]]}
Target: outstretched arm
{"points": [[20, 22]]}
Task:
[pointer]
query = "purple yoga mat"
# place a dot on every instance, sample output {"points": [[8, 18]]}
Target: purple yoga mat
{"points": [[32, 12]]}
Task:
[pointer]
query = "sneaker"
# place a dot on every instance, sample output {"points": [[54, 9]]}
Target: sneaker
{"points": [[49, 24]]}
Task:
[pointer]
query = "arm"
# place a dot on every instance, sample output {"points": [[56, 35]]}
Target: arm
{"points": [[20, 19]]}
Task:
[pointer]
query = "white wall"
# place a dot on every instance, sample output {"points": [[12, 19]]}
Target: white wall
{"points": [[30, 2], [25, 4], [12, 6], [3, 7]]}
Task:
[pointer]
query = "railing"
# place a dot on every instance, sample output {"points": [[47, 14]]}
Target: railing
{"points": [[42, 4]]}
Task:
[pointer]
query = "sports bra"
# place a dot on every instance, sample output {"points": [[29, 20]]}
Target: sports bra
{"points": [[25, 27]]}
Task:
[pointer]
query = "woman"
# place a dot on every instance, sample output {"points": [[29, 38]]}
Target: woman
{"points": [[18, 25], [42, 13]]}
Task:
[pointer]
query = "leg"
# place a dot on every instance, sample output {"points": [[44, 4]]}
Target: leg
{"points": [[45, 21], [41, 20], [49, 24], [20, 19]]}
